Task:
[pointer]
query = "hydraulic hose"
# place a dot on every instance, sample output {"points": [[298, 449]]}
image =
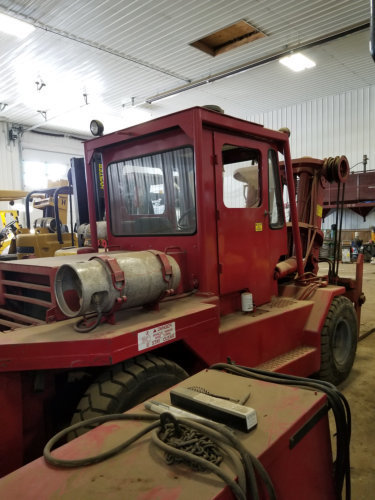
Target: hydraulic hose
{"points": [[337, 402]]}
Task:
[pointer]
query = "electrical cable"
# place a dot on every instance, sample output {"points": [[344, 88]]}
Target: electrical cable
{"points": [[221, 436], [337, 402], [224, 439], [80, 462]]}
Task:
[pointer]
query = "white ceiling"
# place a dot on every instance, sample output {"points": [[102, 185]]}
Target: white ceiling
{"points": [[121, 52]]}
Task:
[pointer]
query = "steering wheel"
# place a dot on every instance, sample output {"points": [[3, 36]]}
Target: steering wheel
{"points": [[183, 216]]}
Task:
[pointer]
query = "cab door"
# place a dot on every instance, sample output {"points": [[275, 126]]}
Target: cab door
{"points": [[250, 217]]}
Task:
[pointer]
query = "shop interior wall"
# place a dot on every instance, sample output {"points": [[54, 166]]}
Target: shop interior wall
{"points": [[45, 148], [342, 124]]}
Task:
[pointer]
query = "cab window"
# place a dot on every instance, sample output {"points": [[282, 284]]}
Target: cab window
{"points": [[241, 177], [153, 194]]}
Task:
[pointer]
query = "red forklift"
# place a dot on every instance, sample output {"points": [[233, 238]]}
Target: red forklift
{"points": [[211, 253]]}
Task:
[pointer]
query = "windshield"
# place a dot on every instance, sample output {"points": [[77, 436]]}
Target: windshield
{"points": [[153, 194]]}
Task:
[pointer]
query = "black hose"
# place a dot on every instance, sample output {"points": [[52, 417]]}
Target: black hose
{"points": [[327, 261], [337, 402], [336, 224], [219, 434], [80, 462], [340, 227], [89, 327]]}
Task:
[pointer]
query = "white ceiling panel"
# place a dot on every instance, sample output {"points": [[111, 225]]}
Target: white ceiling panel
{"points": [[107, 58]]}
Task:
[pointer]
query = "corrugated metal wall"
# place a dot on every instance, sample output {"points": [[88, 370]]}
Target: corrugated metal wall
{"points": [[331, 126]]}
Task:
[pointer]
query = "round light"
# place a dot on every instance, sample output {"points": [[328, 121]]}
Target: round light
{"points": [[96, 127]]}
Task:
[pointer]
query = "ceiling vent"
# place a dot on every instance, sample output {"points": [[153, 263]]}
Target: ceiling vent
{"points": [[228, 38]]}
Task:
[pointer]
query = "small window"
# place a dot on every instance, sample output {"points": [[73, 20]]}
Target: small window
{"points": [[241, 177], [275, 202], [36, 174]]}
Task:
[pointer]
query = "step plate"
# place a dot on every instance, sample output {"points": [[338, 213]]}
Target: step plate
{"points": [[287, 358]]}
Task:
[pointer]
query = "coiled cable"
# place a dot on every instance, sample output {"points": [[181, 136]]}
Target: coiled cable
{"points": [[245, 465]]}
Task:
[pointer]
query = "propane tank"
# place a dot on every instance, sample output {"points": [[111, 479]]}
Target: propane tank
{"points": [[46, 222], [84, 233], [130, 278]]}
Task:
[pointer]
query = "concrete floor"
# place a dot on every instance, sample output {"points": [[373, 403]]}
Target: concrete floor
{"points": [[359, 389]]}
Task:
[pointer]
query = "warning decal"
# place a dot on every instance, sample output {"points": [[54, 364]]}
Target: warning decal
{"points": [[155, 336]]}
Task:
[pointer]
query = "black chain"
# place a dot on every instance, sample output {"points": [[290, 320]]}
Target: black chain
{"points": [[191, 441]]}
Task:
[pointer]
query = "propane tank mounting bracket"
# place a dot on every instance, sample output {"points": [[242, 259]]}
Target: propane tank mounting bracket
{"points": [[117, 274], [166, 266]]}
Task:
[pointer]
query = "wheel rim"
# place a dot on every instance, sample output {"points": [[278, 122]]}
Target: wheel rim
{"points": [[341, 342]]}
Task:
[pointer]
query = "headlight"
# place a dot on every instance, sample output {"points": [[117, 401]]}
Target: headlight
{"points": [[96, 127]]}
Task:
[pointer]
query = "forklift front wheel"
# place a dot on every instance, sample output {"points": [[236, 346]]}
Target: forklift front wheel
{"points": [[338, 341], [125, 385]]}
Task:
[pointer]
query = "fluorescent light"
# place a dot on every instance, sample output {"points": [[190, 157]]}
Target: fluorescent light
{"points": [[297, 62], [15, 27]]}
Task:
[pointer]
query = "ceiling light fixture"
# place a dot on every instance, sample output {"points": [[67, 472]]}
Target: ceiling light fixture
{"points": [[15, 27], [297, 62]]}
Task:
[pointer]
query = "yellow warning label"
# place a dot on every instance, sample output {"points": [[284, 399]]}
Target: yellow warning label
{"points": [[319, 210], [101, 176], [258, 226]]}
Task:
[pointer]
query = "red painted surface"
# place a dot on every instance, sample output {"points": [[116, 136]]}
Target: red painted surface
{"points": [[304, 471], [225, 256], [247, 257], [11, 422]]}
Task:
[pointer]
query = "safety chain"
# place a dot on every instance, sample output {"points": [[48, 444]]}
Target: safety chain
{"points": [[186, 439]]}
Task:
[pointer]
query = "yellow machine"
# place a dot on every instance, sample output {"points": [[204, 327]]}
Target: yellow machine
{"points": [[9, 221], [49, 232]]}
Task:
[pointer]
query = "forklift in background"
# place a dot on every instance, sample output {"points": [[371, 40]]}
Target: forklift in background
{"points": [[49, 234], [9, 220]]}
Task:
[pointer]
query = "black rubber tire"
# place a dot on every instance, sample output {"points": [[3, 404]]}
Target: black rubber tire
{"points": [[125, 385], [338, 341]]}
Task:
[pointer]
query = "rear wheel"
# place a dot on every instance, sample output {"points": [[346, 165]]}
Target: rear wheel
{"points": [[338, 341], [125, 385]]}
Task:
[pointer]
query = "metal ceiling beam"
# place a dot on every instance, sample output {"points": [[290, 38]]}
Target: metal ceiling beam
{"points": [[89, 43], [257, 63]]}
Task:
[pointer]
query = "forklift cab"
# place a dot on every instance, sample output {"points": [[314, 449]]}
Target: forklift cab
{"points": [[204, 184]]}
